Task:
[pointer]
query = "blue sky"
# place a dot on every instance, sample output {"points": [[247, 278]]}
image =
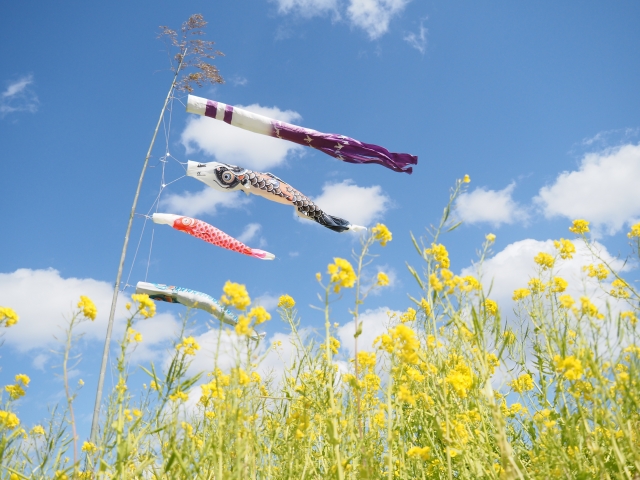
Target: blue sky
{"points": [[537, 103]]}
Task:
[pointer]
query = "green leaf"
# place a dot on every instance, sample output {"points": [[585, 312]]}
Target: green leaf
{"points": [[416, 276], [455, 226]]}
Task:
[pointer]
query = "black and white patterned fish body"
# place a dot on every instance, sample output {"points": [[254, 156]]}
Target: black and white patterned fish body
{"points": [[225, 178]]}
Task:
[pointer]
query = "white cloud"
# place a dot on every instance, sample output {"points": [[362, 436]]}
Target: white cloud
{"points": [[490, 206], [513, 267], [18, 97], [307, 8], [44, 300], [604, 190], [249, 232], [269, 302], [419, 40], [239, 81], [358, 205], [206, 201], [236, 146], [374, 16]]}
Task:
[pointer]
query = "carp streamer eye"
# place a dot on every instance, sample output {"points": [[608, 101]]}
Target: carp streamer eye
{"points": [[187, 221], [228, 177]]}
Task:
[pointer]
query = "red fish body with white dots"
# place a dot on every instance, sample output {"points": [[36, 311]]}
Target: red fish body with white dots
{"points": [[209, 234]]}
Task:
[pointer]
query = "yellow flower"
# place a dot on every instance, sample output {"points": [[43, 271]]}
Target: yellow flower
{"points": [[523, 383], [382, 280], [382, 234], [536, 285], [318, 276], [404, 395], [367, 359], [631, 316], [260, 315], [89, 309], [121, 387], [285, 301], [470, 283], [236, 295], [493, 362], [460, 378], [89, 447], [242, 327], [23, 379], [600, 272], [8, 316], [342, 274], [491, 307], [509, 337], [579, 227], [408, 316], [440, 254], [565, 247], [8, 420], [521, 293], [589, 308], [179, 395], [559, 285], [334, 345], [154, 385], [426, 307], [635, 231], [402, 341], [490, 237], [146, 306], [619, 289], [435, 283], [15, 391], [515, 409], [566, 301], [134, 335], [37, 430], [466, 179], [570, 367], [189, 344], [545, 260]]}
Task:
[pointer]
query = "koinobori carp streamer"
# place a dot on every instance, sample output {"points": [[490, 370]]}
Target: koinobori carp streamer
{"points": [[210, 234], [338, 146], [226, 178], [187, 297]]}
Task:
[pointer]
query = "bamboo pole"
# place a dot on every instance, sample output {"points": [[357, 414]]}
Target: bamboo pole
{"points": [[114, 300]]}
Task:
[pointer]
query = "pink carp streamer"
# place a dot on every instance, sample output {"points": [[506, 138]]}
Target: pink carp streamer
{"points": [[210, 234]]}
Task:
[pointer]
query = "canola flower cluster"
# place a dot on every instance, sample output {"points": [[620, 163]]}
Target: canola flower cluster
{"points": [[381, 234], [341, 274], [88, 308], [235, 295], [144, 305], [8, 317]]}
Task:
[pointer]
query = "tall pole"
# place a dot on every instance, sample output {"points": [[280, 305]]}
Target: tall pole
{"points": [[123, 255]]}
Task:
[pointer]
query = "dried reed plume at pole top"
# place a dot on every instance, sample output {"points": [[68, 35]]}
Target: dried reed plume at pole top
{"points": [[193, 53]]}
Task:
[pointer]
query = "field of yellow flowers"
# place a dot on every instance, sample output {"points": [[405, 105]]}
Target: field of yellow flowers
{"points": [[451, 390]]}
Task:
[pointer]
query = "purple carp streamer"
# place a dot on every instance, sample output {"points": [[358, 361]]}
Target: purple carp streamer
{"points": [[338, 146], [227, 178]]}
